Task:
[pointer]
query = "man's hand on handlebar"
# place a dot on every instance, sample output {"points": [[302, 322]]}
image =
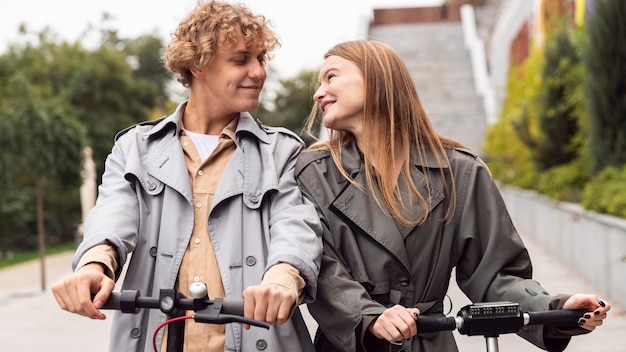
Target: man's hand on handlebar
{"points": [[74, 294], [271, 303]]}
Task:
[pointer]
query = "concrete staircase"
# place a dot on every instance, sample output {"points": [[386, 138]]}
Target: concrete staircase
{"points": [[441, 67]]}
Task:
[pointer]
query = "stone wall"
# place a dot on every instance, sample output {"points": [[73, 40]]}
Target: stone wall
{"points": [[592, 244]]}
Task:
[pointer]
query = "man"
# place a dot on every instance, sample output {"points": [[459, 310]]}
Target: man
{"points": [[206, 194]]}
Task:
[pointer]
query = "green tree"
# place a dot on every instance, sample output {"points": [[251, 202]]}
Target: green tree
{"points": [[291, 104], [103, 87], [43, 146], [144, 55], [506, 149], [560, 106], [549, 123], [99, 91], [604, 58]]}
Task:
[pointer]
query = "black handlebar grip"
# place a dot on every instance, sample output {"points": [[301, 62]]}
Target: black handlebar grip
{"points": [[125, 301], [113, 302], [435, 324], [559, 317], [233, 306]]}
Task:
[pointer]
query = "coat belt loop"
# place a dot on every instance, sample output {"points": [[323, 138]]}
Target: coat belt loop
{"points": [[395, 297], [404, 347]]}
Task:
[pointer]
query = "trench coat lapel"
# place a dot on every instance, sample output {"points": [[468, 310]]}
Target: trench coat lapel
{"points": [[166, 161], [356, 205], [436, 197]]}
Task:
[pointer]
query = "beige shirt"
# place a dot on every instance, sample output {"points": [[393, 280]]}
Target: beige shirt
{"points": [[199, 262]]}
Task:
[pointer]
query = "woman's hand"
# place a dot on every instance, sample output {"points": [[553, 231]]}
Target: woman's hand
{"points": [[395, 324], [596, 309]]}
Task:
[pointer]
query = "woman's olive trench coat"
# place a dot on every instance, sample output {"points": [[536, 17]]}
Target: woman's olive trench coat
{"points": [[371, 262]]}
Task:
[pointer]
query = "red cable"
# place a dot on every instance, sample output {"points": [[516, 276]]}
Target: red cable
{"points": [[156, 332]]}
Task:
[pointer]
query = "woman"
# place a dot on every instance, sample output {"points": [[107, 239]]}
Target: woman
{"points": [[401, 208]]}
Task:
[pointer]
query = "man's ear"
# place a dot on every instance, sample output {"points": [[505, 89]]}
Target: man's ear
{"points": [[196, 72]]}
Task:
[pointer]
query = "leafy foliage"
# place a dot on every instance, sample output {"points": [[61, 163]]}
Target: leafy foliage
{"points": [[604, 57], [292, 103], [564, 182], [563, 119], [605, 193], [506, 144], [559, 109], [44, 144], [56, 98]]}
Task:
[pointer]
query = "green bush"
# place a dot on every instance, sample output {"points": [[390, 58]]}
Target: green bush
{"points": [[605, 193], [506, 153], [564, 182], [563, 118]]}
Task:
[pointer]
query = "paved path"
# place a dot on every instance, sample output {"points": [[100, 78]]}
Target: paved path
{"points": [[32, 322]]}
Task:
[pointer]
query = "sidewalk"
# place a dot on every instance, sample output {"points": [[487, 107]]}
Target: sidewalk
{"points": [[32, 321], [556, 278]]}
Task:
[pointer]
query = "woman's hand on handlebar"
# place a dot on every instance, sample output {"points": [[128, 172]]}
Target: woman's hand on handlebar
{"points": [[395, 324], [74, 293], [596, 307]]}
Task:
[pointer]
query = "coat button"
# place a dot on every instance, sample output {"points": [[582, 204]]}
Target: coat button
{"points": [[153, 251], [254, 199], [250, 260], [135, 332], [404, 281], [261, 344]]}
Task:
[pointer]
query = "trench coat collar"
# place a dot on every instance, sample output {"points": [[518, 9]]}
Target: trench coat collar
{"points": [[352, 160], [357, 205], [170, 153], [246, 124]]}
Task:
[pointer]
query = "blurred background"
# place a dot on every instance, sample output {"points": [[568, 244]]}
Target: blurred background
{"points": [[536, 87]]}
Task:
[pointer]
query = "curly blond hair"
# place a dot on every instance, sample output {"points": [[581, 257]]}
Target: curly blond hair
{"points": [[213, 23]]}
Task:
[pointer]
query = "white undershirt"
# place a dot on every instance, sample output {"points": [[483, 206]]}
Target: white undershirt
{"points": [[205, 143]]}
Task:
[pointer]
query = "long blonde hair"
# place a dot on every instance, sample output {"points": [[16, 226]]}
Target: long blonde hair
{"points": [[395, 122]]}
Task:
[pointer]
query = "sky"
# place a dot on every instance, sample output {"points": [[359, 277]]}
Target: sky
{"points": [[306, 28]]}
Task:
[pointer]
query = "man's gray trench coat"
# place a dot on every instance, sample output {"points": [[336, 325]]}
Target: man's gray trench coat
{"points": [[257, 219], [368, 255]]}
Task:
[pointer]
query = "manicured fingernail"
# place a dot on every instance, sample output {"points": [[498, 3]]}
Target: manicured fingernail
{"points": [[587, 316], [597, 312], [601, 302], [581, 321], [416, 315]]}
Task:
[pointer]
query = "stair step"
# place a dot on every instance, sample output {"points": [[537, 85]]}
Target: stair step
{"points": [[441, 67]]}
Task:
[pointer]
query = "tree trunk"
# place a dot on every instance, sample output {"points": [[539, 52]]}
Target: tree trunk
{"points": [[41, 238]]}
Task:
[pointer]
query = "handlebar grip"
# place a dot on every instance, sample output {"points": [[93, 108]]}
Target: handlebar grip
{"points": [[435, 324], [125, 301], [113, 302], [231, 310], [231, 305], [559, 317]]}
